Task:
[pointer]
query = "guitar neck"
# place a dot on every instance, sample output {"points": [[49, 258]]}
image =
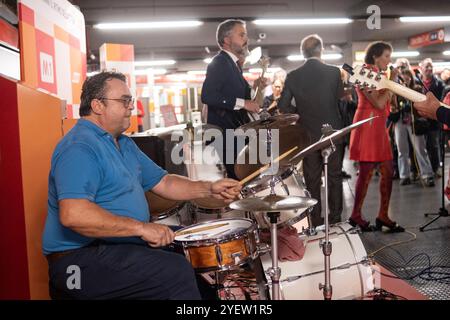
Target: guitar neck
{"points": [[407, 93]]}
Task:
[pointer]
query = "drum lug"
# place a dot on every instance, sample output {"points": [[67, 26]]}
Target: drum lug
{"points": [[219, 255]]}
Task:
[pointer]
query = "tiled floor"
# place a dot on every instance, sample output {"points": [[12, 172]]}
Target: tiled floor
{"points": [[425, 260]]}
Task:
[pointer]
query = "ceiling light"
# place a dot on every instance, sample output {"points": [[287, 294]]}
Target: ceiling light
{"points": [[152, 63], [141, 72], [425, 19], [207, 60], [196, 72], [259, 70], [326, 56], [398, 54], [446, 53], [148, 25], [292, 22]]}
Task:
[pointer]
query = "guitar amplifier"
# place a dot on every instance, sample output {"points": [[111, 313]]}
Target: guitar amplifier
{"points": [[159, 150]]}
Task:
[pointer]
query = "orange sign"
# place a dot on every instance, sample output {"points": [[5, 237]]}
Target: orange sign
{"points": [[427, 38]]}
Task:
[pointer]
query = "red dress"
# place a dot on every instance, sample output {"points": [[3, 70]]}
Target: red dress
{"points": [[370, 141]]}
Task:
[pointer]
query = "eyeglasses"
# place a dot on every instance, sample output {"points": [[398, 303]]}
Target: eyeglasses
{"points": [[126, 101]]}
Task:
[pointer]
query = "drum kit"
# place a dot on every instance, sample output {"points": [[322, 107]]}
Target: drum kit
{"points": [[270, 200]]}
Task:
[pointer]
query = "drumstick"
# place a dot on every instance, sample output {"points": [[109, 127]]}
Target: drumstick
{"points": [[262, 169], [182, 233]]}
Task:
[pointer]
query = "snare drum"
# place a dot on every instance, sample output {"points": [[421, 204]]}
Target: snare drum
{"points": [[168, 212], [300, 279], [286, 184], [219, 245]]}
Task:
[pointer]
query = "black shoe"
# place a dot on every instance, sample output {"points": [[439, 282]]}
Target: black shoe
{"points": [[365, 226], [393, 227], [429, 182], [405, 181], [345, 175]]}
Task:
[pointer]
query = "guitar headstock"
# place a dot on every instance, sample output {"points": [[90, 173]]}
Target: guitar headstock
{"points": [[264, 62], [365, 79]]}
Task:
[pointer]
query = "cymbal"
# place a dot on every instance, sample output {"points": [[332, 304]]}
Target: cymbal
{"points": [[274, 122], [289, 137], [273, 203], [327, 141]]}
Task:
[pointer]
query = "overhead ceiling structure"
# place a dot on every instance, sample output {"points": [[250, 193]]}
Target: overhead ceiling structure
{"points": [[188, 45]]}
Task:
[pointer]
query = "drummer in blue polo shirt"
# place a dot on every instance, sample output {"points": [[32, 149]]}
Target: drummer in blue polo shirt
{"points": [[98, 216]]}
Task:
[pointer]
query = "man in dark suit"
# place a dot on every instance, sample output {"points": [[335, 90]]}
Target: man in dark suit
{"points": [[316, 88], [225, 90]]}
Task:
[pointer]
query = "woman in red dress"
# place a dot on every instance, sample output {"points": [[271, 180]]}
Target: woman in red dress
{"points": [[369, 143]]}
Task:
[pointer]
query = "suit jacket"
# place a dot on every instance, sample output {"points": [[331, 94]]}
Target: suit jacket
{"points": [[316, 89], [223, 84]]}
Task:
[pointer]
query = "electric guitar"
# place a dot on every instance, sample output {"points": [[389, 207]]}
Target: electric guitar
{"points": [[366, 79], [258, 96]]}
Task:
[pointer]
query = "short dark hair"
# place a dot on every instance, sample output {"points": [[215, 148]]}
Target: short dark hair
{"points": [[95, 88], [376, 49], [311, 46], [224, 29]]}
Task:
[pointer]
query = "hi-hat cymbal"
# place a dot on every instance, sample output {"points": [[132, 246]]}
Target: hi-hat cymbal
{"points": [[327, 141], [272, 203], [274, 122], [289, 137]]}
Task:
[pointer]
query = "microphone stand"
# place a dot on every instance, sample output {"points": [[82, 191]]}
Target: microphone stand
{"points": [[443, 212]]}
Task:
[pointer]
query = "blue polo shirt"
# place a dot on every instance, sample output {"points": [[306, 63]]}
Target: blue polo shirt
{"points": [[86, 164]]}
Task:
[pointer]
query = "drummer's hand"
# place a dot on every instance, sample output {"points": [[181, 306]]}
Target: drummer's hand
{"points": [[251, 106], [157, 235], [225, 189]]}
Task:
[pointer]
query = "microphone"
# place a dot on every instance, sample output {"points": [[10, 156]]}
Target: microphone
{"points": [[419, 79], [398, 76]]}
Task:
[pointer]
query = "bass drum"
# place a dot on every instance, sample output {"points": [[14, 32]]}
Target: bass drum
{"points": [[300, 279], [168, 212]]}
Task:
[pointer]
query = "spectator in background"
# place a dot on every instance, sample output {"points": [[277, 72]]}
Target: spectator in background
{"points": [[403, 119], [271, 102], [436, 86]]}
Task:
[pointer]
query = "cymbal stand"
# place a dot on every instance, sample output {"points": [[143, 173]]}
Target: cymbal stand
{"points": [[274, 272], [326, 245], [310, 231]]}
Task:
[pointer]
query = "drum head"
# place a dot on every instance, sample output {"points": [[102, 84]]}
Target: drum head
{"points": [[213, 230], [161, 207]]}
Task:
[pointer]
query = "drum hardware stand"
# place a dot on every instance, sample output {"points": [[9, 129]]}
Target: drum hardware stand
{"points": [[274, 272], [443, 212], [326, 245]]}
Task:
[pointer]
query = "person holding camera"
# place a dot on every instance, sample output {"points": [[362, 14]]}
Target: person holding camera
{"points": [[409, 124]]}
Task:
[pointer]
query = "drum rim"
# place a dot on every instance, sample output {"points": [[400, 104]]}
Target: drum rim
{"points": [[289, 222], [168, 213], [263, 186], [210, 210], [221, 239]]}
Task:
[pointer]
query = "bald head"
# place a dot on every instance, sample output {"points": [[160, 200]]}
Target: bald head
{"points": [[311, 46]]}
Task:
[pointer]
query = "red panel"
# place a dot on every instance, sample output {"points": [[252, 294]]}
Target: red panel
{"points": [[9, 34], [45, 55], [14, 282], [26, 14]]}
